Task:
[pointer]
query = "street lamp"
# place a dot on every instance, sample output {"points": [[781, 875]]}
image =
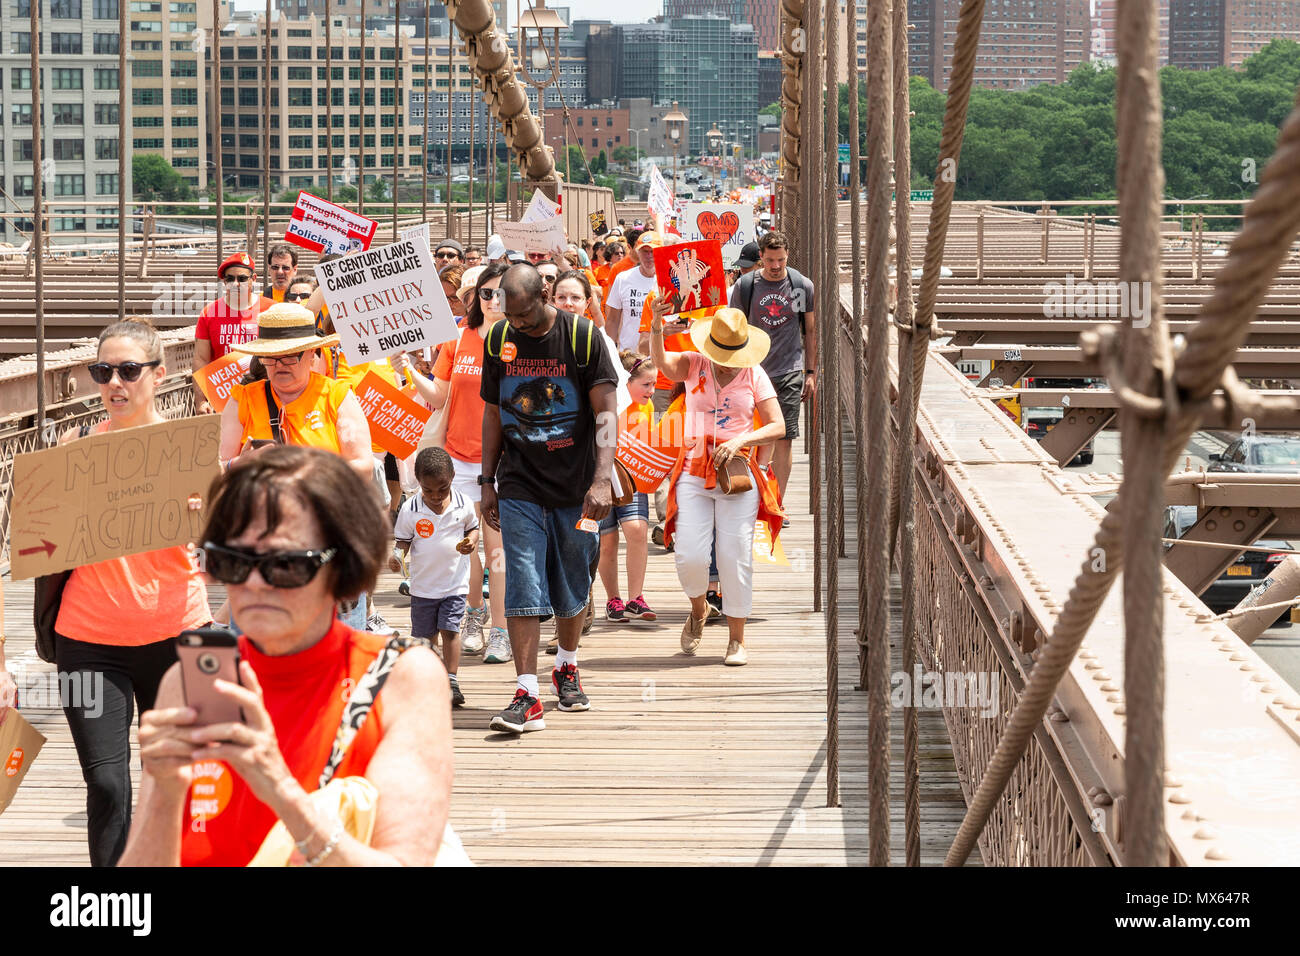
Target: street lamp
{"points": [[714, 137], [676, 125], [534, 51]]}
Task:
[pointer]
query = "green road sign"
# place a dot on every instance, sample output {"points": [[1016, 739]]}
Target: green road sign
{"points": [[922, 195], [844, 152]]}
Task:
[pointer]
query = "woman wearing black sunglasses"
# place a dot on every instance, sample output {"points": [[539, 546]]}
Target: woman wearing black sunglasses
{"points": [[291, 533], [118, 617]]}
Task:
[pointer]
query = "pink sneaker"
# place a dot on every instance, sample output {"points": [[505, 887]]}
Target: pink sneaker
{"points": [[638, 608], [614, 609]]}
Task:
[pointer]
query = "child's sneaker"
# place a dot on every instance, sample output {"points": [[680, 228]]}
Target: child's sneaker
{"points": [[638, 608]]}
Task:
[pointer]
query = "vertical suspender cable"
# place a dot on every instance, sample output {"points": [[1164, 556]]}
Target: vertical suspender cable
{"points": [[428, 103], [1148, 367], [829, 361], [473, 120], [361, 115], [856, 320], [121, 156], [398, 143], [904, 474], [329, 103], [873, 401], [38, 218], [266, 150], [813, 115], [451, 125], [217, 143]]}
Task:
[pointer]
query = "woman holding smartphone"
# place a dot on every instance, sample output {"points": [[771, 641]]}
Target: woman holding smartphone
{"points": [[118, 618], [290, 532]]}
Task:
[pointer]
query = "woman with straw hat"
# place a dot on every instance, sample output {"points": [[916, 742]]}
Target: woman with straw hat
{"points": [[293, 404], [731, 409]]}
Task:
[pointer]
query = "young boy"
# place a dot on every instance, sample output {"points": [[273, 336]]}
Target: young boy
{"points": [[439, 529]]}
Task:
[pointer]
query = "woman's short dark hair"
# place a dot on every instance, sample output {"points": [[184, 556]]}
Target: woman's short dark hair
{"points": [[329, 488], [474, 311], [578, 276]]}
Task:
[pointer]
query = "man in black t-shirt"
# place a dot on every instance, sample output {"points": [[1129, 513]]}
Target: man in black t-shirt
{"points": [[548, 387]]}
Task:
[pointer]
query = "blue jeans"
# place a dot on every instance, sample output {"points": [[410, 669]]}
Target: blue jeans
{"points": [[549, 562]]}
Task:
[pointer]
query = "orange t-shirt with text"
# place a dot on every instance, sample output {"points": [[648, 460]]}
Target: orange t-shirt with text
{"points": [[462, 368]]}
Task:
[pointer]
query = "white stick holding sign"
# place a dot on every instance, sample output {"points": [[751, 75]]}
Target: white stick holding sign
{"points": [[540, 208], [732, 224], [326, 228], [546, 235], [386, 300]]}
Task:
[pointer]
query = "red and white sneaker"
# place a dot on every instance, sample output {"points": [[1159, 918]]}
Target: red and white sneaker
{"points": [[523, 714], [567, 687]]}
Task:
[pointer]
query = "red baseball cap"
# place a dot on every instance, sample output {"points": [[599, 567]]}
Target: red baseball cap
{"points": [[238, 259]]}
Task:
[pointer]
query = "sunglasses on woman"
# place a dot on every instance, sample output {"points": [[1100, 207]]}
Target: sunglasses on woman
{"points": [[101, 373], [279, 569], [296, 296]]}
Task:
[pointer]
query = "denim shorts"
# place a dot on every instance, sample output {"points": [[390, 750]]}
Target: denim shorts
{"points": [[431, 615], [638, 509], [549, 562]]}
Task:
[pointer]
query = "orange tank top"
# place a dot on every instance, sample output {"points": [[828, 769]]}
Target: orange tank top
{"points": [[134, 600], [225, 823], [310, 420]]}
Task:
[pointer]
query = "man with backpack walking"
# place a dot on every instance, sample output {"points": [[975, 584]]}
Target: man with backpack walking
{"points": [[548, 387], [778, 300]]}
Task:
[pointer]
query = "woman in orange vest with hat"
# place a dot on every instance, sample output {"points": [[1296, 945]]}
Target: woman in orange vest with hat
{"points": [[725, 387]]}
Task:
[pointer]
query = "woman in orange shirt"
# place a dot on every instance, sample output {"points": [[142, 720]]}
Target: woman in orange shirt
{"points": [[214, 794], [118, 617]]}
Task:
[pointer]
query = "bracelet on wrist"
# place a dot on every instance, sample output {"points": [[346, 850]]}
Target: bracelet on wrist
{"points": [[326, 850]]}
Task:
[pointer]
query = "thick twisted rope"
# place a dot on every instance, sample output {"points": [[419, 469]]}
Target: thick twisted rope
{"points": [[873, 406], [811, 177], [793, 49], [1269, 226], [829, 280], [1147, 364], [856, 323], [904, 475]]}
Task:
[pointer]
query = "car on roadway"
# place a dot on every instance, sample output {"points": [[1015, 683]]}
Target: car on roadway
{"points": [[1260, 454], [1238, 578]]}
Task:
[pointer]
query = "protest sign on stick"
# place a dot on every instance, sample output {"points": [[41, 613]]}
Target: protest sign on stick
{"points": [[691, 275], [732, 224], [545, 235], [113, 494], [386, 300], [540, 207], [216, 378], [326, 228], [396, 421]]}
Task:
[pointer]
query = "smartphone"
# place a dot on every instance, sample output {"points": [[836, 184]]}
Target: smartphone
{"points": [[206, 654]]}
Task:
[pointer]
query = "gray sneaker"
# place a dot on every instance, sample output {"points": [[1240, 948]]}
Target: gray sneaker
{"points": [[497, 650], [471, 631]]}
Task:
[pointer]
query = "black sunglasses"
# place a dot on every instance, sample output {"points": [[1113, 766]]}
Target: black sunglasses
{"points": [[446, 255], [280, 569], [239, 278], [101, 373], [296, 296]]}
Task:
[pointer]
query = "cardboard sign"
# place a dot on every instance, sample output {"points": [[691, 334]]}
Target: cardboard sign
{"points": [[216, 378], [659, 199], [20, 742], [544, 235], [540, 208], [691, 274], [649, 451], [596, 221], [328, 229], [731, 224], [386, 300], [416, 233], [110, 495], [396, 421]]}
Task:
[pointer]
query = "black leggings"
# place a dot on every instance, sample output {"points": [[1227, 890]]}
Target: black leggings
{"points": [[101, 728]]}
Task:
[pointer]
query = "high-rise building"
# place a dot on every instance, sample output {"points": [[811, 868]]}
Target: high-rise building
{"points": [[81, 99], [1022, 42], [1204, 34], [1102, 40], [380, 12], [368, 142], [765, 17]]}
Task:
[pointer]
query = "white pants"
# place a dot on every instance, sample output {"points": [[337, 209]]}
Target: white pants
{"points": [[701, 511]]}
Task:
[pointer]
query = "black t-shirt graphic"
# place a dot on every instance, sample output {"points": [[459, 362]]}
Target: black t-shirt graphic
{"points": [[548, 455]]}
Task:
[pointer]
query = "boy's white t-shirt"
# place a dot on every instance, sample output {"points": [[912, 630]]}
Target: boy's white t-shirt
{"points": [[438, 570]]}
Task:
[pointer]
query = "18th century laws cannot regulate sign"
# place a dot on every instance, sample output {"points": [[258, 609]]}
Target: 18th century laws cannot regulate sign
{"points": [[110, 495], [386, 300]]}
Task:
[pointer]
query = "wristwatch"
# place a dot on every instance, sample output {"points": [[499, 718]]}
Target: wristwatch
{"points": [[487, 479]]}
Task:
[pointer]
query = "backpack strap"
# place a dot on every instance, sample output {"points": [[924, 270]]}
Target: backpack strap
{"points": [[362, 700], [495, 351], [745, 286], [588, 336], [273, 412]]}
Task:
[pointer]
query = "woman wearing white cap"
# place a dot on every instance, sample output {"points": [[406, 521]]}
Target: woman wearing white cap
{"points": [[725, 387]]}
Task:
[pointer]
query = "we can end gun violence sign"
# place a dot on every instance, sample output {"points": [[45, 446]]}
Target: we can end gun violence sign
{"points": [[111, 495], [386, 300]]}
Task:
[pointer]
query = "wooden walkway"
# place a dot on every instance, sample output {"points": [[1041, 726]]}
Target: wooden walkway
{"points": [[680, 760]]}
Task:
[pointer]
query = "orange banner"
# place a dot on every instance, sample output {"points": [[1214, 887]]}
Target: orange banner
{"points": [[650, 450], [396, 422], [216, 378]]}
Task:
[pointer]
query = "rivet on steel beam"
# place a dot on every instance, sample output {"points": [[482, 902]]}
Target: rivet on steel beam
{"points": [[1191, 815], [986, 582], [1100, 676], [1206, 833], [1237, 657], [1121, 710], [1248, 666], [1258, 678], [1060, 717], [1171, 780], [1179, 797], [1239, 526], [1103, 799], [1211, 525], [1268, 688], [1112, 698], [1109, 688], [1093, 664], [1214, 853]]}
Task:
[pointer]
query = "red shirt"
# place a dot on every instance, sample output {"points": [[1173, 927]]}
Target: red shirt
{"points": [[223, 326]]}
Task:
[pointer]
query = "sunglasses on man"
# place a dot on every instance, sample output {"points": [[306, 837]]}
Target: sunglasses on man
{"points": [[101, 373], [279, 569], [241, 277], [446, 255]]}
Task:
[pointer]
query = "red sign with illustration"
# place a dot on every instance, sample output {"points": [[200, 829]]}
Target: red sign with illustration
{"points": [[691, 274]]}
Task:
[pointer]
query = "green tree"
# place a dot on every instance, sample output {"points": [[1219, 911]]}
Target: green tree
{"points": [[772, 109], [345, 194], [599, 164], [155, 179], [377, 191]]}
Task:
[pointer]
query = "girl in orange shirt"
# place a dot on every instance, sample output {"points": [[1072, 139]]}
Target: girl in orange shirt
{"points": [[118, 617]]}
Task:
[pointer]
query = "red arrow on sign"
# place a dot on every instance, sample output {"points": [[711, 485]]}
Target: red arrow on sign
{"points": [[46, 546]]}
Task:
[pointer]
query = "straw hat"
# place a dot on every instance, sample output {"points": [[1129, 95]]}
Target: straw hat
{"points": [[283, 329], [728, 339]]}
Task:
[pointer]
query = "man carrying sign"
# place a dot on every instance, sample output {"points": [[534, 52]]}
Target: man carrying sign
{"points": [[548, 384]]}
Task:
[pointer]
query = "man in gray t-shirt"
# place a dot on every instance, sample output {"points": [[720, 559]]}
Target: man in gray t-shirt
{"points": [[776, 303]]}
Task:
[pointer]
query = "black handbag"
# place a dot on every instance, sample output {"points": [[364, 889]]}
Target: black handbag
{"points": [[46, 601]]}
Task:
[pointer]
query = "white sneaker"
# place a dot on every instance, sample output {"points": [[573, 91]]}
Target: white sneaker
{"points": [[376, 624], [497, 650], [471, 632]]}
